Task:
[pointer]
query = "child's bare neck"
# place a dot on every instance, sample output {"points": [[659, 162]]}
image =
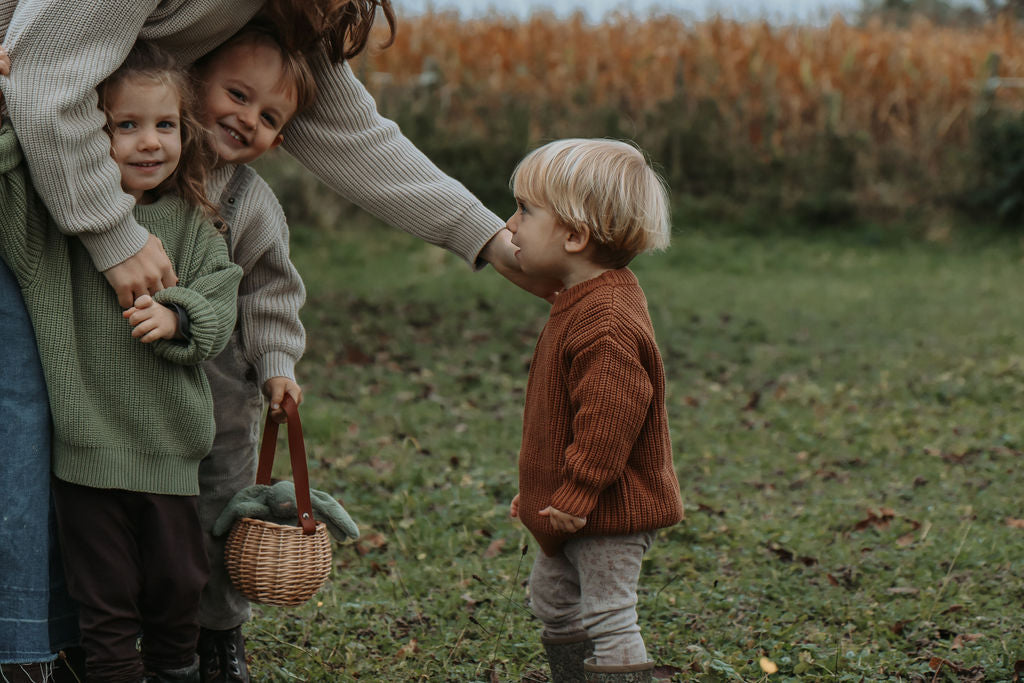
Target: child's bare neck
{"points": [[582, 270]]}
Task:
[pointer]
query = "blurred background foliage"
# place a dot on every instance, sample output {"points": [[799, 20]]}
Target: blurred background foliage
{"points": [[909, 113]]}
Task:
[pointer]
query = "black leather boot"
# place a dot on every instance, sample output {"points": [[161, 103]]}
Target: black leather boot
{"points": [[222, 656], [188, 674]]}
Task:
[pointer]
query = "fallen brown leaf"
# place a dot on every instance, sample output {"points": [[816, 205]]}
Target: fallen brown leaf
{"points": [[410, 648], [906, 539], [494, 549], [877, 518], [958, 641]]}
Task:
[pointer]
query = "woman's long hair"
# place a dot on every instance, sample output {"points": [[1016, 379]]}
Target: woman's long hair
{"points": [[198, 156], [340, 27]]}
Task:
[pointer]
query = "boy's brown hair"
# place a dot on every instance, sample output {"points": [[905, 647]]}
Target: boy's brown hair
{"points": [[295, 66], [146, 60]]}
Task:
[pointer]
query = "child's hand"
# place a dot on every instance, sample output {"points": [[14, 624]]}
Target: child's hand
{"points": [[5, 68], [563, 521], [151, 321], [275, 388], [513, 507]]}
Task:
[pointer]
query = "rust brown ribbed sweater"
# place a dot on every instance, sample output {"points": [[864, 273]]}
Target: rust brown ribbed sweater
{"points": [[595, 430]]}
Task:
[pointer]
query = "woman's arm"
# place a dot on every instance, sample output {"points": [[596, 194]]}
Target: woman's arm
{"points": [[366, 159], [60, 52]]}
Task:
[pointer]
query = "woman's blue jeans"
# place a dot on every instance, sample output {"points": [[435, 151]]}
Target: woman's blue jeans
{"points": [[37, 618]]}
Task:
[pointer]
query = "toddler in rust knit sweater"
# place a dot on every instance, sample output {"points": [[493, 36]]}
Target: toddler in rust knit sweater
{"points": [[595, 469]]}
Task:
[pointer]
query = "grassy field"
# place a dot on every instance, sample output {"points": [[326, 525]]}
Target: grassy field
{"points": [[846, 417]]}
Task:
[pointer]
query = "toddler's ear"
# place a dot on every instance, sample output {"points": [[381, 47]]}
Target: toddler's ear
{"points": [[277, 141], [575, 242]]}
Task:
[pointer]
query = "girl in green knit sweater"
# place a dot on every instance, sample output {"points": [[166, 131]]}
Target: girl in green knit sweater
{"points": [[132, 412]]}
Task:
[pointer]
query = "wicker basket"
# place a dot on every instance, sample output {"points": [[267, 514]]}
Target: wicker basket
{"points": [[276, 564]]}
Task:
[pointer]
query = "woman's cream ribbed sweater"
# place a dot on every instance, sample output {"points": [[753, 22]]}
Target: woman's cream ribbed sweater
{"points": [[61, 50]]}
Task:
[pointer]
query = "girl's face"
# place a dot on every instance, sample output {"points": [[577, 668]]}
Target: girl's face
{"points": [[145, 129]]}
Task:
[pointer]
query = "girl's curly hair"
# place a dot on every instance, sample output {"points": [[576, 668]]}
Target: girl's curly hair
{"points": [[146, 60]]}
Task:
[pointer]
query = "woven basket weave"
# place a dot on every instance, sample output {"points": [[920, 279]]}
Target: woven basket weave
{"points": [[277, 564]]}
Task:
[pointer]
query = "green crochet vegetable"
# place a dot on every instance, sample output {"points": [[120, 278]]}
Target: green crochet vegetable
{"points": [[276, 503]]}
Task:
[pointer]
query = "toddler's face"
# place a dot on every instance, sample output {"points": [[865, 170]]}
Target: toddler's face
{"points": [[245, 102], [145, 133], [539, 239]]}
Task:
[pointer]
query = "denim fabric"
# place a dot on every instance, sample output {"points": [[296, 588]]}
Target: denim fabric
{"points": [[37, 617]]}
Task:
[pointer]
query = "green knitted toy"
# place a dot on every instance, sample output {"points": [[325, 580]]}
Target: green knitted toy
{"points": [[276, 503]]}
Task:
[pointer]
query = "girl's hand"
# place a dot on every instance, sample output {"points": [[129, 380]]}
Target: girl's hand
{"points": [[563, 521], [151, 321], [513, 507], [275, 388]]}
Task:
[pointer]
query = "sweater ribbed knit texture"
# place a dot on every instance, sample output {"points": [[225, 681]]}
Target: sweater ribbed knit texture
{"points": [[126, 415], [271, 292], [595, 429], [61, 50]]}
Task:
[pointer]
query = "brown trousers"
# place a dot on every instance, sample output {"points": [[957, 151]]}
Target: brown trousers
{"points": [[135, 563]]}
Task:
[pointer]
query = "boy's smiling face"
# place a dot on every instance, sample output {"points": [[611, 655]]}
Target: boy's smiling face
{"points": [[245, 101]]}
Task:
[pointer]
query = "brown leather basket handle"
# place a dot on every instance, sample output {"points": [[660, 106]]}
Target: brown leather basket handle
{"points": [[297, 451]]}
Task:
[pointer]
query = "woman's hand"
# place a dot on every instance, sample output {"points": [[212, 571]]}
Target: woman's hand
{"points": [[500, 253]]}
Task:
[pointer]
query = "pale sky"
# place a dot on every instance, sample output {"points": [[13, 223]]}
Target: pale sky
{"points": [[775, 10], [783, 10]]}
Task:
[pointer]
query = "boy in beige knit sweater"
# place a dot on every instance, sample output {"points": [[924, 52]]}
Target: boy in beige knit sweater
{"points": [[249, 89], [596, 475]]}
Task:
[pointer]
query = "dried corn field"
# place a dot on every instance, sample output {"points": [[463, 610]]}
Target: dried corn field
{"points": [[881, 114]]}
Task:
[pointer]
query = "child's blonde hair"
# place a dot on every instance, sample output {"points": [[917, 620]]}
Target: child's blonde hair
{"points": [[602, 187], [188, 180]]}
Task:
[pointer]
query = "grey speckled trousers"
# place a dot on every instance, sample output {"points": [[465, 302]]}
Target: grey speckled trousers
{"points": [[230, 467], [591, 586]]}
